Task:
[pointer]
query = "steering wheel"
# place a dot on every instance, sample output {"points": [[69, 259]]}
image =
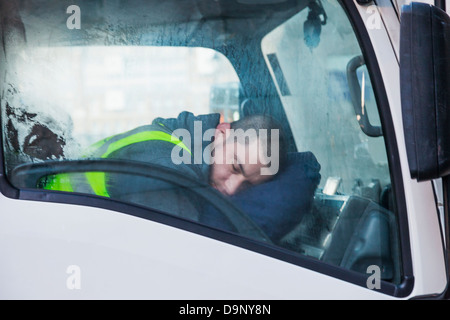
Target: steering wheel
{"points": [[29, 175]]}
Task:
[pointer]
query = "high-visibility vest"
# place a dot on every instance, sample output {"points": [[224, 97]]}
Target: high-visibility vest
{"points": [[96, 181]]}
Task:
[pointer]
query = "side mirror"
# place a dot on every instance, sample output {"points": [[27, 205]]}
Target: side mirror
{"points": [[425, 89]]}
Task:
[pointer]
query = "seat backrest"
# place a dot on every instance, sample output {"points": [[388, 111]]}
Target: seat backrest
{"points": [[364, 236]]}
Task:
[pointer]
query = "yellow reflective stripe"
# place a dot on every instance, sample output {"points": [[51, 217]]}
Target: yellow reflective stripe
{"points": [[97, 180], [142, 137], [95, 147], [60, 182]]}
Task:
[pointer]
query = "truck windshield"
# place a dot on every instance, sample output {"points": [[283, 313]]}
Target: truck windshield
{"points": [[120, 101]]}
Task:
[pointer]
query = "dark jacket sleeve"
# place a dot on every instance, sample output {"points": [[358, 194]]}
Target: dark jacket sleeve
{"points": [[145, 191], [187, 120]]}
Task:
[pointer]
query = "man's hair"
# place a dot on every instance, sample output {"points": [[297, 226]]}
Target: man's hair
{"points": [[262, 121]]}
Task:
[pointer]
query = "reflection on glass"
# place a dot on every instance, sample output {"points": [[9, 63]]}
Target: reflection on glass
{"points": [[106, 90]]}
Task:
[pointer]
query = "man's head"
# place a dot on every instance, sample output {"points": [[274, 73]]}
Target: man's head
{"points": [[247, 152]]}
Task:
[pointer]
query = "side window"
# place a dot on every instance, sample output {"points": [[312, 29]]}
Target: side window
{"points": [[102, 122], [328, 98]]}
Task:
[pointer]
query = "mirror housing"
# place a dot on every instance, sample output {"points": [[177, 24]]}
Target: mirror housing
{"points": [[425, 89]]}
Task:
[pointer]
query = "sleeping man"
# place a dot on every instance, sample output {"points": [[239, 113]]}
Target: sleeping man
{"points": [[245, 160]]}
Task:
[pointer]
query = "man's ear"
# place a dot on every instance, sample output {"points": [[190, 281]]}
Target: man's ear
{"points": [[223, 130]]}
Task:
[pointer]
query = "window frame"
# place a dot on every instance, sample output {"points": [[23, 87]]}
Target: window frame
{"points": [[402, 290]]}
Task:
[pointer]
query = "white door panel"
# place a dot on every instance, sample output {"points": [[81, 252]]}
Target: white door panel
{"points": [[121, 256]]}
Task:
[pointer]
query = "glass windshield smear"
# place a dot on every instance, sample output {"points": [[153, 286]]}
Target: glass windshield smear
{"points": [[102, 91], [140, 102]]}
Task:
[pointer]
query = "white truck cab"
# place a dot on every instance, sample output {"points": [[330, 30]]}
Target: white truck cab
{"points": [[359, 87]]}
